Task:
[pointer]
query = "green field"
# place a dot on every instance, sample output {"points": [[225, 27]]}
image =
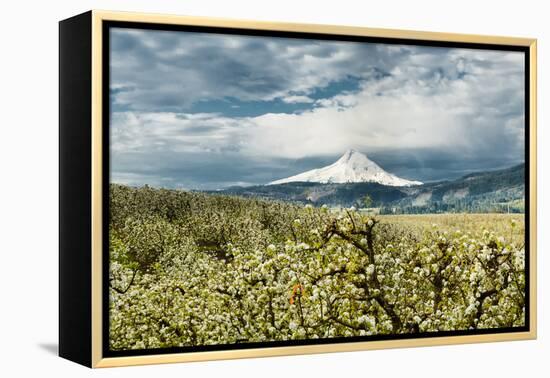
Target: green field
{"points": [[474, 224], [191, 269]]}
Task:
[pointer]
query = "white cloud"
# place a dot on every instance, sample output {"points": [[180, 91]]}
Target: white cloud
{"points": [[297, 100], [134, 132], [412, 108]]}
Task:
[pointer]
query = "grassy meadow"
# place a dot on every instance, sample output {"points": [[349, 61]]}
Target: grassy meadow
{"points": [[474, 224]]}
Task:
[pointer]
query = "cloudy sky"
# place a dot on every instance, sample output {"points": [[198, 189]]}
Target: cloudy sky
{"points": [[207, 111]]}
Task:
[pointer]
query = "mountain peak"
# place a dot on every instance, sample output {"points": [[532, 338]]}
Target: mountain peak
{"points": [[353, 166], [351, 155]]}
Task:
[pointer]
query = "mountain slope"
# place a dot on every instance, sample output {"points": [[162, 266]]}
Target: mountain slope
{"points": [[352, 167], [476, 192], [480, 188]]}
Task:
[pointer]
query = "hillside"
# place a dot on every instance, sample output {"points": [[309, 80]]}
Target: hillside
{"points": [[494, 191]]}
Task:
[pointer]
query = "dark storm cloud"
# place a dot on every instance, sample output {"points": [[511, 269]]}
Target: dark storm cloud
{"points": [[171, 71], [429, 165], [201, 170]]}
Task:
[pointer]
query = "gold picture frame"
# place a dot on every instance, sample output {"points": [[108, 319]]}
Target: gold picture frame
{"points": [[87, 272]]}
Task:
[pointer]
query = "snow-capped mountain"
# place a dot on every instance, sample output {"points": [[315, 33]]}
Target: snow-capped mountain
{"points": [[353, 166]]}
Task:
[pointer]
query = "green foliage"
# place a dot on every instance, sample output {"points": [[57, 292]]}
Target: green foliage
{"points": [[367, 201], [195, 269]]}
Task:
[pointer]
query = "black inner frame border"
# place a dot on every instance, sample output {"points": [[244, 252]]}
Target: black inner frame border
{"points": [[107, 25]]}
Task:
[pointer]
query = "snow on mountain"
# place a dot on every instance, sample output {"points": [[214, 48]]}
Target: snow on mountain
{"points": [[353, 166]]}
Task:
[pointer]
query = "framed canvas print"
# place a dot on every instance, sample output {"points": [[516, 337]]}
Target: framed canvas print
{"points": [[235, 189]]}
